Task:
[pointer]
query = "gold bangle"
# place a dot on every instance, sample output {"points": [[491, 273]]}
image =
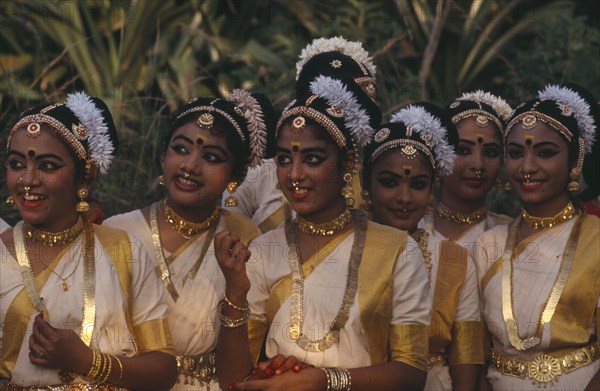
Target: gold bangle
{"points": [[90, 373], [108, 370], [228, 322], [120, 370], [337, 379], [229, 303]]}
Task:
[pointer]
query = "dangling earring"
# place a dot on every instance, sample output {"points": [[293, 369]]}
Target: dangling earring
{"points": [[10, 201], [82, 206], [348, 190], [574, 185], [231, 200], [508, 186], [161, 180]]}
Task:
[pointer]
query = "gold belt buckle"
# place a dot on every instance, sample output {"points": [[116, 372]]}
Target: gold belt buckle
{"points": [[544, 369]]}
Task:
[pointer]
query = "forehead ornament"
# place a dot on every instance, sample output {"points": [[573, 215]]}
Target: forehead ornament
{"points": [[205, 120], [529, 121], [298, 123], [34, 129]]}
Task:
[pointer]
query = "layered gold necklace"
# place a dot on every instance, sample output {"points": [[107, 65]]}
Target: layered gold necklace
{"points": [[297, 297], [187, 228], [325, 229], [508, 258], [163, 264], [462, 218], [89, 283], [53, 238], [566, 214]]}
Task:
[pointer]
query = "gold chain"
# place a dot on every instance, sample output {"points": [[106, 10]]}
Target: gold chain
{"points": [[566, 214], [187, 228], [512, 327], [53, 238], [462, 218], [421, 236], [326, 229], [297, 298]]}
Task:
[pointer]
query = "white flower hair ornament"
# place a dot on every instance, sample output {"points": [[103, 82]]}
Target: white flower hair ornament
{"points": [[255, 121], [499, 105], [101, 148], [431, 130], [578, 106], [336, 44], [337, 95]]}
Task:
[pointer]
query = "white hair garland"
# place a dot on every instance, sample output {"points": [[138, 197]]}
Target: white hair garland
{"points": [[336, 44], [336, 94], [430, 128], [499, 105], [100, 146], [580, 108], [255, 121]]}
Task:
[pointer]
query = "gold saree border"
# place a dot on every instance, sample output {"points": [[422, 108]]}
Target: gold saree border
{"points": [[575, 310], [451, 274], [467, 343], [153, 335], [273, 221], [409, 344], [241, 226]]}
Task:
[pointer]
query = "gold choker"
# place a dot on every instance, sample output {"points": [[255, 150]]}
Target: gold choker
{"points": [[326, 229], [187, 228], [546, 222], [53, 238], [462, 218]]}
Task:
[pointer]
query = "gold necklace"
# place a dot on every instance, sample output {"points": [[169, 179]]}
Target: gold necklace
{"points": [[163, 264], [421, 236], [187, 228], [462, 218], [89, 285], [53, 238], [297, 297], [326, 229], [512, 327], [566, 214]]}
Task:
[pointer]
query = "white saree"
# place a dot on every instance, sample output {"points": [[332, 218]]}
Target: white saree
{"points": [[387, 320], [129, 300], [193, 318], [535, 268], [455, 328]]}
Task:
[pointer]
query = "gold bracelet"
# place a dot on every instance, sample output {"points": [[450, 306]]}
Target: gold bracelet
{"points": [[337, 379], [108, 370], [228, 322], [90, 374], [104, 366], [120, 370], [229, 303]]}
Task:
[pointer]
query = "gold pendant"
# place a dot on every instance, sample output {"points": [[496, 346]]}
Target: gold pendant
{"points": [[544, 369], [65, 286]]}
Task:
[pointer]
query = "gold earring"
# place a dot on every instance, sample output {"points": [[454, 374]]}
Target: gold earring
{"points": [[574, 185], [82, 206], [231, 200], [348, 190], [10, 201], [161, 180], [508, 186]]}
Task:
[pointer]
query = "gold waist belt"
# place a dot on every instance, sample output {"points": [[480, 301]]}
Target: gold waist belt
{"points": [[201, 368], [437, 359], [8, 386], [544, 368]]}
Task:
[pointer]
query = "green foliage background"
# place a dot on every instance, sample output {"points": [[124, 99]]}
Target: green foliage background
{"points": [[145, 57]]}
